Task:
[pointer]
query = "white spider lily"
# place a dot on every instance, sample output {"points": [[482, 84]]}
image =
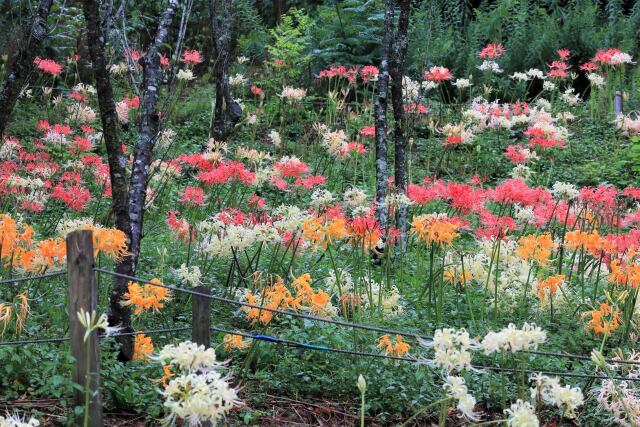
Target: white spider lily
{"points": [[92, 322]]}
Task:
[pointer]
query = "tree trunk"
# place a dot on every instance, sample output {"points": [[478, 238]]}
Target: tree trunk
{"points": [[119, 314], [381, 119], [227, 111], [399, 139], [149, 128], [21, 62]]}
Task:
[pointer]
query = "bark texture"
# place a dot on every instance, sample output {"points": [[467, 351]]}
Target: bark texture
{"points": [[380, 112], [96, 38], [20, 62], [400, 46], [128, 193], [148, 131], [227, 111]]}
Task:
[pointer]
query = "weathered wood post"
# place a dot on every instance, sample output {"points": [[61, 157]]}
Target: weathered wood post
{"points": [[83, 294], [201, 322], [617, 104]]}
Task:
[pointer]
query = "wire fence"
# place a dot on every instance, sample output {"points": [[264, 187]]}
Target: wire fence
{"points": [[308, 346], [121, 334], [335, 321], [30, 278]]}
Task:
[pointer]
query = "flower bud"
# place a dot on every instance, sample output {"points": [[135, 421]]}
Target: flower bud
{"points": [[362, 384], [598, 359]]}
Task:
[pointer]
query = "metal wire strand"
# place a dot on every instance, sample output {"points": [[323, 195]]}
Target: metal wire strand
{"points": [[152, 331], [34, 341], [26, 279], [122, 334], [337, 322], [306, 346]]}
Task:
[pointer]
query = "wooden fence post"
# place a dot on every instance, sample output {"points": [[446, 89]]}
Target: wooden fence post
{"points": [[83, 294], [201, 322], [617, 104]]}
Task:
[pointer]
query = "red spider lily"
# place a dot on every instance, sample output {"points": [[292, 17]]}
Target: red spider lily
{"points": [[494, 226], [80, 144], [196, 161], [191, 57], [520, 108], [560, 65], [552, 210], [492, 51], [43, 125], [421, 195], [59, 129], [92, 160], [292, 240], [291, 167], [603, 56], [333, 212], [438, 74], [101, 174], [258, 202], [393, 234], [164, 61], [334, 71], [541, 138], [366, 230], [309, 182], [368, 131], [132, 102], [631, 219], [31, 206], [62, 129], [453, 140], [352, 147], [87, 130], [226, 172], [416, 108], [279, 183], [180, 226], [516, 154], [477, 180], [352, 74], [369, 73], [589, 66], [192, 196], [558, 70], [255, 90], [632, 192], [72, 178], [517, 191], [42, 169], [48, 66], [231, 216], [601, 200], [74, 197], [464, 197], [622, 243], [134, 55], [77, 96], [564, 54], [556, 73], [362, 225]]}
